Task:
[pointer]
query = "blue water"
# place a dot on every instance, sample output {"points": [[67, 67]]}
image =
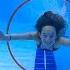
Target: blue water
{"points": [[24, 21]]}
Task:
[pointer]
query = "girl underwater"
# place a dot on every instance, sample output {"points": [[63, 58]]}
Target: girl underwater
{"points": [[50, 32]]}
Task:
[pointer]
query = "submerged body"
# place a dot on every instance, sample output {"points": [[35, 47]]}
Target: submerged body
{"points": [[50, 33], [45, 59]]}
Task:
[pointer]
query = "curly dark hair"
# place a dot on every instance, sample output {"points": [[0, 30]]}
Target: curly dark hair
{"points": [[51, 19]]}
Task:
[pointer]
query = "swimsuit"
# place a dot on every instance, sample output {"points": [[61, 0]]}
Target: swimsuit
{"points": [[44, 60]]}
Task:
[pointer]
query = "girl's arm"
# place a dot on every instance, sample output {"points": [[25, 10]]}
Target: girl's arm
{"points": [[24, 36], [64, 41]]}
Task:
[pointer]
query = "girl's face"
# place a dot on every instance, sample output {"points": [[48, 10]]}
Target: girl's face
{"points": [[48, 36]]}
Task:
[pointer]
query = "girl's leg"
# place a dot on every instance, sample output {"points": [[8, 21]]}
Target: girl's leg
{"points": [[50, 60], [39, 61]]}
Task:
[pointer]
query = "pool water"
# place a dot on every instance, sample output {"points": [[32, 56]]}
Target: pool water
{"points": [[24, 21]]}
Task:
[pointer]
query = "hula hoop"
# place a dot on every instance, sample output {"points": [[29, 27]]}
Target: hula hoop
{"points": [[7, 31]]}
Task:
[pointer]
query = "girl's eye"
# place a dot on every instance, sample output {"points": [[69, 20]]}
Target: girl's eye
{"points": [[45, 36]]}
